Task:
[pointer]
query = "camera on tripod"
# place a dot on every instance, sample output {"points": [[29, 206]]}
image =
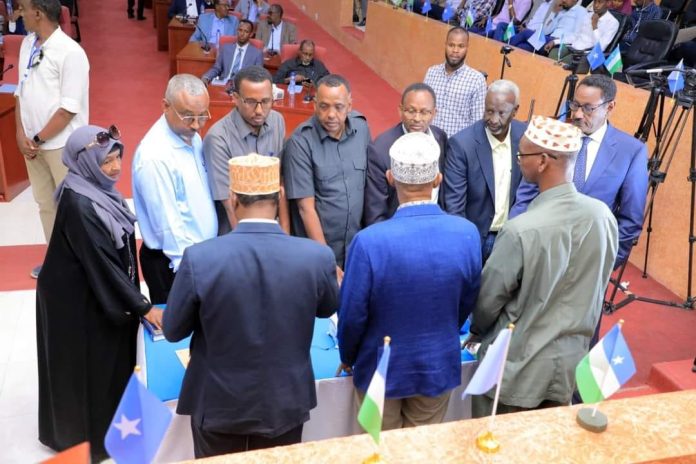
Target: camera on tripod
{"points": [[506, 50], [576, 57]]}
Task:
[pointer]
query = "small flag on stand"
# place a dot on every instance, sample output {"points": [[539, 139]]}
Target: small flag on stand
{"points": [[509, 32], [370, 414], [538, 40], [447, 13], [600, 374], [138, 426], [675, 80], [489, 26], [469, 18], [596, 57], [613, 62], [488, 374], [560, 48], [426, 7]]}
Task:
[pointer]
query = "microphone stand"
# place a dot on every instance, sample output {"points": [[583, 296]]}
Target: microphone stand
{"points": [[206, 45]]}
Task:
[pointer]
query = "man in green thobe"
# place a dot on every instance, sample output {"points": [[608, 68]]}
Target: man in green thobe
{"points": [[547, 274]]}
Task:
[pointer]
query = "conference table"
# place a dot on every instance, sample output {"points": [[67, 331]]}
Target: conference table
{"points": [[192, 59], [294, 109], [336, 408]]}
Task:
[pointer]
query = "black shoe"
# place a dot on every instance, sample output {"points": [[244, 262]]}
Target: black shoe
{"points": [[131, 15], [361, 23], [141, 18]]}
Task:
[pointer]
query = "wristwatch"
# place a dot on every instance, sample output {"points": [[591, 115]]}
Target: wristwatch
{"points": [[38, 141]]}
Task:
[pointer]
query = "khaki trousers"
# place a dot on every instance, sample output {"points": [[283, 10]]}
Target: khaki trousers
{"points": [[46, 171], [412, 411], [482, 406]]}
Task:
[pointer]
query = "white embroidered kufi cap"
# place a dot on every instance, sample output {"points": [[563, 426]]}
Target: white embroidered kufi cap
{"points": [[415, 158], [254, 174], [554, 135]]}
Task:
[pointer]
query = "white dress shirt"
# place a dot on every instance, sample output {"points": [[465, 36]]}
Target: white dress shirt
{"points": [[502, 168], [593, 147], [191, 8], [274, 38], [607, 27]]}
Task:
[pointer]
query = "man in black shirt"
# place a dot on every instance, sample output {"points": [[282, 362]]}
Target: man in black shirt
{"points": [[307, 69]]}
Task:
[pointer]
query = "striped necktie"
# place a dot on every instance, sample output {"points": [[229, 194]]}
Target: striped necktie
{"points": [[581, 165]]}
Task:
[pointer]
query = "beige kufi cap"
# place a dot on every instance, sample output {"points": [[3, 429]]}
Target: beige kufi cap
{"points": [[554, 135], [415, 158], [254, 174]]}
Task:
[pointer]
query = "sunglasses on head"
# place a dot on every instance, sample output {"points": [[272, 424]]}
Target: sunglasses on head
{"points": [[102, 138]]}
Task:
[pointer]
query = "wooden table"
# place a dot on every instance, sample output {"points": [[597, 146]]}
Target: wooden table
{"points": [[295, 110], [161, 21], [178, 34], [652, 427], [193, 60], [13, 171]]}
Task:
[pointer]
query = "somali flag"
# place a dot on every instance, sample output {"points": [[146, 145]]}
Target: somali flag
{"points": [[676, 79], [426, 7], [605, 368], [448, 13], [596, 57], [489, 25], [370, 414]]}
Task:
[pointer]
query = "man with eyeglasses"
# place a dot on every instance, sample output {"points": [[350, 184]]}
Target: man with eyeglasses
{"points": [[172, 197], [547, 274], [52, 100], [274, 32], [234, 57], [324, 163], [612, 165], [482, 175], [417, 110], [251, 127]]}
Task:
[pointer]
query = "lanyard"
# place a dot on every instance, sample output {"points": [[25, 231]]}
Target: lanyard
{"points": [[34, 51]]}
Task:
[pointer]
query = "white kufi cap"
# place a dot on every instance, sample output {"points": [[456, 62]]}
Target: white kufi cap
{"points": [[554, 135], [415, 158]]}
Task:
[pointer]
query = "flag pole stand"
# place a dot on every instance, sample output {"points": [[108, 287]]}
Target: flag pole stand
{"points": [[487, 442], [592, 420], [375, 458]]}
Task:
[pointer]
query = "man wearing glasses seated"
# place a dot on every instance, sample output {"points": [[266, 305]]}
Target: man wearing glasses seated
{"points": [[611, 165], [417, 110], [170, 184], [251, 127]]}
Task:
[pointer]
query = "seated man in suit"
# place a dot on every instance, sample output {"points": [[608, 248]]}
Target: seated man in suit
{"points": [[611, 166], [417, 111], [235, 56], [307, 69], [482, 173], [275, 32], [249, 384], [413, 277], [252, 9], [211, 26], [188, 8]]}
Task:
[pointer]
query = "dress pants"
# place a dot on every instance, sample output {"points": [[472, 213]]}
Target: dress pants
{"points": [[223, 221], [45, 172], [206, 443], [159, 277], [412, 411], [141, 7]]}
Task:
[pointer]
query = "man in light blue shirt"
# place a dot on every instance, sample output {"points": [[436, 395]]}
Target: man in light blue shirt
{"points": [[211, 26], [172, 197]]}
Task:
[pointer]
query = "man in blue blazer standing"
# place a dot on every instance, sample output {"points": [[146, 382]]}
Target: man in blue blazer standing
{"points": [[482, 173], [235, 56], [414, 277], [250, 298], [213, 25], [612, 166], [417, 109]]}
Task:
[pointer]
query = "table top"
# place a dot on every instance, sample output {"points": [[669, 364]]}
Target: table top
{"points": [[640, 429]]}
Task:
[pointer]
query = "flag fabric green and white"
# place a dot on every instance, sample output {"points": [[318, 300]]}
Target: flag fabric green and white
{"points": [[370, 414], [509, 32], [560, 47], [469, 17], [613, 62], [605, 368]]}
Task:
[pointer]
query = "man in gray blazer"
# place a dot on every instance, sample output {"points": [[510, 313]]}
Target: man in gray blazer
{"points": [[233, 57], [274, 32]]}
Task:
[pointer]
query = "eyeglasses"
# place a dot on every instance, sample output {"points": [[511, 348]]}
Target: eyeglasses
{"points": [[35, 59], [102, 138], [411, 113], [251, 103], [189, 119], [587, 108], [543, 153]]}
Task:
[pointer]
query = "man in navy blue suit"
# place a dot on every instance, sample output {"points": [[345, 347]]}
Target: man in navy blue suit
{"points": [[233, 57], [482, 173], [417, 109], [250, 298], [612, 166], [415, 278]]}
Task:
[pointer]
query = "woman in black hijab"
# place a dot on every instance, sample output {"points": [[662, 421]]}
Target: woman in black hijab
{"points": [[88, 298]]}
